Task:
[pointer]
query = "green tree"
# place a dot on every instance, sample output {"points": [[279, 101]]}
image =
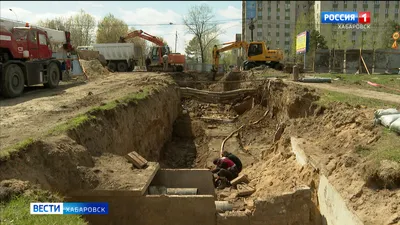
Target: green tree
{"points": [[192, 50], [389, 27], [373, 39], [110, 29], [198, 22], [317, 41], [81, 27], [305, 22], [84, 25], [56, 23]]}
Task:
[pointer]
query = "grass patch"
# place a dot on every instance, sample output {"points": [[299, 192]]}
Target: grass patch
{"points": [[5, 154], [382, 168], [388, 147], [133, 97], [329, 97], [77, 121], [71, 124], [17, 211], [360, 81]]}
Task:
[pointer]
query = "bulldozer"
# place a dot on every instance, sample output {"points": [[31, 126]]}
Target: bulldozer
{"points": [[257, 54]]}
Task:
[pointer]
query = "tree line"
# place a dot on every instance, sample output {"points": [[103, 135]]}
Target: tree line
{"points": [[110, 29], [378, 36]]}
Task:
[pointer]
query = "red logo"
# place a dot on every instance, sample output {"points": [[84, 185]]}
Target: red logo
{"points": [[364, 17]]}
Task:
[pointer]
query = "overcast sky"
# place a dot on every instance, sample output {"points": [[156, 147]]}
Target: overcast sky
{"points": [[140, 14]]}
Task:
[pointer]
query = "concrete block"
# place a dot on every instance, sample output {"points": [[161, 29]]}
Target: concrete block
{"points": [[240, 179], [244, 190]]}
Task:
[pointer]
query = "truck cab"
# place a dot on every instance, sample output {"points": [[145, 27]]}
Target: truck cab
{"points": [[26, 59], [24, 43]]}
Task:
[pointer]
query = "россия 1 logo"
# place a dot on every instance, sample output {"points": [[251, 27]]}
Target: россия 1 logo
{"points": [[347, 20]]}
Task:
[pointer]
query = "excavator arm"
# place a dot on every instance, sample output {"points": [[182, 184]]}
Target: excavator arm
{"points": [[229, 46], [142, 34]]}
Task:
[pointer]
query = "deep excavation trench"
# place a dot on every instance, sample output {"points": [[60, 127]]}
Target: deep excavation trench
{"points": [[87, 163]]}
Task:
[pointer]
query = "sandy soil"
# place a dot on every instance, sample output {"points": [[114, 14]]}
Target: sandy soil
{"points": [[38, 111]]}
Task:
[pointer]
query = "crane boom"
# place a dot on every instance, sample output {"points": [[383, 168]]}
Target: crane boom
{"points": [[144, 35]]}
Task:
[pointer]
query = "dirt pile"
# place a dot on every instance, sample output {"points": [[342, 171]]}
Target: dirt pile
{"points": [[236, 80], [192, 79], [93, 68]]}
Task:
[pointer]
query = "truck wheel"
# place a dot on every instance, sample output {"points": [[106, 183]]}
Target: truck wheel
{"points": [[249, 66], [54, 76], [278, 66], [179, 68], [112, 66], [13, 81], [122, 67]]}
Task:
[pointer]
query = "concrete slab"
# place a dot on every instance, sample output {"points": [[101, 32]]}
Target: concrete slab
{"points": [[301, 156], [332, 206], [201, 179], [135, 183]]}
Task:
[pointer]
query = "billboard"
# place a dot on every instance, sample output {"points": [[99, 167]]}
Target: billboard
{"points": [[302, 42], [250, 9]]}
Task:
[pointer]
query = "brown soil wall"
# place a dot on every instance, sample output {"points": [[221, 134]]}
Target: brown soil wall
{"points": [[63, 163]]}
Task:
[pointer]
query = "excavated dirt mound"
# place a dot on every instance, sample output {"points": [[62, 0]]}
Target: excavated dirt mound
{"points": [[236, 80], [93, 68]]}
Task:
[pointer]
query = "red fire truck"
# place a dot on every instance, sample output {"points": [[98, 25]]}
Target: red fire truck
{"points": [[26, 57]]}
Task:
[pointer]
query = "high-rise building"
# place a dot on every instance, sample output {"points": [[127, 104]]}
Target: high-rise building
{"points": [[275, 21]]}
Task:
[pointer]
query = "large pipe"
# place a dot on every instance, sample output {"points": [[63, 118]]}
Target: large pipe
{"points": [[316, 80], [182, 191], [223, 206]]}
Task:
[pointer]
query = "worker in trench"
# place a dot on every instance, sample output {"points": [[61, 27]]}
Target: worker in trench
{"points": [[226, 170], [165, 61], [148, 62]]}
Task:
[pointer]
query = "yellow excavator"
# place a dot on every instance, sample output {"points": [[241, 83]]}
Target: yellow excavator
{"points": [[257, 54]]}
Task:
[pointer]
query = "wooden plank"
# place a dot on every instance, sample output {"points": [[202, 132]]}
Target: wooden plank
{"points": [[137, 160]]}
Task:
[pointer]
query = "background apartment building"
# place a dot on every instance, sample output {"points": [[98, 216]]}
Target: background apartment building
{"points": [[275, 21], [381, 11]]}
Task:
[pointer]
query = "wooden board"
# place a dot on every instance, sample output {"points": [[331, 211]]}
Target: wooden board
{"points": [[137, 160]]}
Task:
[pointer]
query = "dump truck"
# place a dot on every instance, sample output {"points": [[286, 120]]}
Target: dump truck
{"points": [[120, 57], [26, 57]]}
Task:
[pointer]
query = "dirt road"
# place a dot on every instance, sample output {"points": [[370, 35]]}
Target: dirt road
{"points": [[355, 91], [40, 110]]}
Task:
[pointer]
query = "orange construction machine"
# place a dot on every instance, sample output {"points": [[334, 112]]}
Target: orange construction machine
{"points": [[176, 61]]}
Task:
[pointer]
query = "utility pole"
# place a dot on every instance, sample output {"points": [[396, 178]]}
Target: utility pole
{"points": [[176, 39], [251, 27]]}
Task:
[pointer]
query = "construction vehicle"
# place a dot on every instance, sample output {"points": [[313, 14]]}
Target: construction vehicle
{"points": [[257, 54], [120, 57], [26, 57], [176, 61]]}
